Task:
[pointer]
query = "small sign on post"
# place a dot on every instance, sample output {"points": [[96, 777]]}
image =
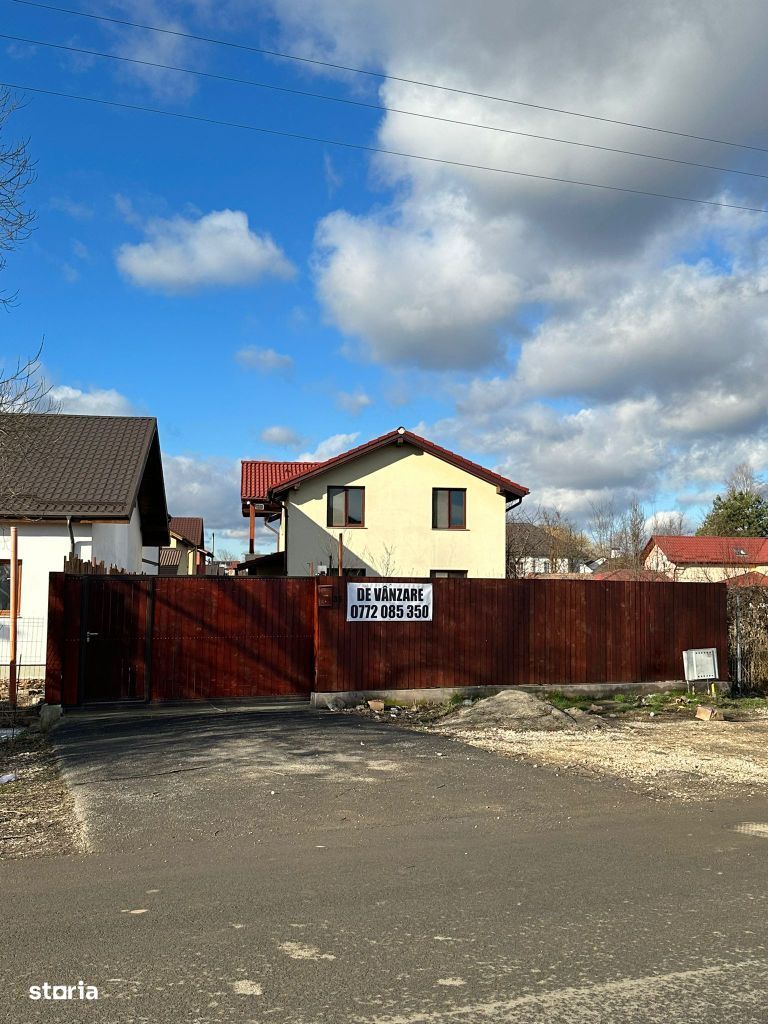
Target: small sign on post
{"points": [[389, 602]]}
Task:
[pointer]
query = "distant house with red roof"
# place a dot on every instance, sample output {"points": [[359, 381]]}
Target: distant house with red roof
{"points": [[402, 505], [706, 559]]}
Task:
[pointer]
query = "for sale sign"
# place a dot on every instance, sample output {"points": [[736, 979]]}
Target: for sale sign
{"points": [[389, 602]]}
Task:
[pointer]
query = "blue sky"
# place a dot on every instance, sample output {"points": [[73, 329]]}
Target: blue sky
{"points": [[271, 298]]}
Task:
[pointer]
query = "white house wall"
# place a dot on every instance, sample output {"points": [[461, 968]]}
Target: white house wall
{"points": [[398, 539], [42, 548], [119, 544]]}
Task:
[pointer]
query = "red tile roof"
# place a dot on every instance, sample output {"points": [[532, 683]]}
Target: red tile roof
{"points": [[260, 478], [631, 575], [190, 528], [748, 579], [711, 550]]}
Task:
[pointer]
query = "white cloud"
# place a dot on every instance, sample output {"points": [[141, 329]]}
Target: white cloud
{"points": [[284, 436], [353, 402], [265, 360], [72, 208], [427, 294], [217, 249], [209, 486], [95, 402], [437, 276], [331, 446], [155, 47], [617, 343]]}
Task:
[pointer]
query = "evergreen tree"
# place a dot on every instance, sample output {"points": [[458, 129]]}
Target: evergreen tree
{"points": [[738, 514]]}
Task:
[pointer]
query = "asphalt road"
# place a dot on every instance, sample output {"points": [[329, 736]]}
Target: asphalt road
{"points": [[301, 867]]}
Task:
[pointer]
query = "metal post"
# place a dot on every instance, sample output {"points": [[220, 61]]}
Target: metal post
{"points": [[14, 616], [251, 528], [738, 641], [341, 554]]}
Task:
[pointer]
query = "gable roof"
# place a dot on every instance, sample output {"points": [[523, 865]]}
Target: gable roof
{"points": [[189, 528], [88, 467], [629, 575], [711, 550], [259, 476], [265, 471], [748, 579]]}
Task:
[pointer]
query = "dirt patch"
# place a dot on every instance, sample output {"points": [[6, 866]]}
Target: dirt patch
{"points": [[651, 744], [37, 815], [663, 757]]}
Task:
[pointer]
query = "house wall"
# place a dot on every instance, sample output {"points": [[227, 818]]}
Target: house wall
{"points": [[119, 544], [530, 565], [397, 538], [659, 562], [187, 560], [42, 548]]}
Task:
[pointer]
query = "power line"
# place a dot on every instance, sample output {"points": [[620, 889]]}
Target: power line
{"points": [[360, 147], [377, 106], [382, 75]]}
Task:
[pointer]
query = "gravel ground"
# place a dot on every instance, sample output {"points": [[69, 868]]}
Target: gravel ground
{"points": [[37, 816], [663, 757]]}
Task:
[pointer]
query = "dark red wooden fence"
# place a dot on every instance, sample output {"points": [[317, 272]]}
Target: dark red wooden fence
{"points": [[178, 638], [183, 638], [524, 632]]}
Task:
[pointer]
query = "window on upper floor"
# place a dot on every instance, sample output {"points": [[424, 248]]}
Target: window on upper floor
{"points": [[346, 506], [448, 574], [5, 587], [449, 508], [353, 570]]}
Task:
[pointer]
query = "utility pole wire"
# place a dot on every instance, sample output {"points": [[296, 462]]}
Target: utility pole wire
{"points": [[360, 147], [378, 106], [382, 75]]}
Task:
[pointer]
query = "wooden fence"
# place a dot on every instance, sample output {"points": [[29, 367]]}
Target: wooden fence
{"points": [[524, 632], [181, 638]]}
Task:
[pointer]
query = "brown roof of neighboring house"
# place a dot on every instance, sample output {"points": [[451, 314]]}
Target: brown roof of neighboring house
{"points": [[271, 483], [189, 528], [85, 467], [710, 550]]}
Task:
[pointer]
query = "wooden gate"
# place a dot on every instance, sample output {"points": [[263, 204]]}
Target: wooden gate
{"points": [[119, 638]]}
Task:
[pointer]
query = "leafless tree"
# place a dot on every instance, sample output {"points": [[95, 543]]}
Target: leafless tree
{"points": [[17, 172], [670, 524], [633, 535], [543, 539], [22, 386], [604, 527], [385, 562], [743, 480]]}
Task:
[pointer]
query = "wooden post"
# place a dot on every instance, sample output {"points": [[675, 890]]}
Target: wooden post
{"points": [[341, 554], [14, 616], [251, 528]]}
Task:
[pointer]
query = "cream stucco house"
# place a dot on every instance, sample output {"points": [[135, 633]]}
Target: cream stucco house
{"points": [[706, 559], [89, 487], [402, 506]]}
